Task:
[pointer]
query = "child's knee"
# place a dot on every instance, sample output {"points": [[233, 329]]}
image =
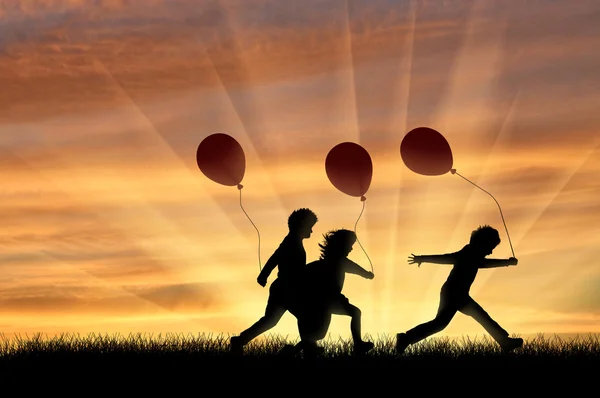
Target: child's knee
{"points": [[270, 321], [442, 322], [356, 312]]}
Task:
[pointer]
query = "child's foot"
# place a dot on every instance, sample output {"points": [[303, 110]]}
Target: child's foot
{"points": [[235, 345], [320, 351], [289, 350], [312, 351], [401, 343], [362, 347], [511, 343]]}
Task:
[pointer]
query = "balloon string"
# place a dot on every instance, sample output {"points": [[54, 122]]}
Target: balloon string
{"points": [[259, 263], [361, 212], [501, 215]]}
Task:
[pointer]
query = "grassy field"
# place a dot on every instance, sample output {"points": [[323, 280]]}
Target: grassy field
{"points": [[207, 352]]}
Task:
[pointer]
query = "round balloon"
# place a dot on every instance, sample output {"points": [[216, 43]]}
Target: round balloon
{"points": [[426, 151], [221, 158], [349, 168]]}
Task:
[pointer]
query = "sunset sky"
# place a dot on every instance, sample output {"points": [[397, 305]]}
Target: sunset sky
{"points": [[108, 225]]}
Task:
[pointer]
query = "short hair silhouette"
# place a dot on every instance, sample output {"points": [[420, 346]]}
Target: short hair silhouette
{"points": [[300, 218], [336, 243], [485, 235]]}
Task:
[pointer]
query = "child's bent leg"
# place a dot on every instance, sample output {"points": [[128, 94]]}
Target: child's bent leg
{"points": [[273, 314], [312, 327], [446, 312], [343, 307], [475, 311]]}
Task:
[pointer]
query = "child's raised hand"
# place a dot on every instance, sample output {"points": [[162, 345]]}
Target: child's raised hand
{"points": [[371, 275], [412, 259], [513, 261]]}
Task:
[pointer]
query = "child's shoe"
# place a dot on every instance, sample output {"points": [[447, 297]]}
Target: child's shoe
{"points": [[289, 350], [362, 347], [235, 345], [401, 343], [511, 343]]}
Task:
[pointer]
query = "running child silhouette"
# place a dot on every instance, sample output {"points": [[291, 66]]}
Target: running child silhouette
{"points": [[454, 295], [290, 258], [321, 294]]}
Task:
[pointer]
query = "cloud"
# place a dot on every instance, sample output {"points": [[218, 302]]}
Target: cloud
{"points": [[179, 298], [246, 43], [184, 297]]}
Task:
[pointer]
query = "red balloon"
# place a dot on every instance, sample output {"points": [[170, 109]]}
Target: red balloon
{"points": [[221, 158], [349, 168], [426, 151]]}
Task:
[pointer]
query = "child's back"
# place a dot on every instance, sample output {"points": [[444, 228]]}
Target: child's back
{"points": [[466, 264], [327, 276], [291, 258]]}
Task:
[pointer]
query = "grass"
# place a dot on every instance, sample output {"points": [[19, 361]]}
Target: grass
{"points": [[177, 364], [202, 351]]}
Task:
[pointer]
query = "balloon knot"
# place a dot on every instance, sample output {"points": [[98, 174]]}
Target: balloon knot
{"points": [[453, 171], [362, 198], [240, 186]]}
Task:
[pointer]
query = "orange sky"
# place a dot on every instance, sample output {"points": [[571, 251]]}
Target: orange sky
{"points": [[109, 225]]}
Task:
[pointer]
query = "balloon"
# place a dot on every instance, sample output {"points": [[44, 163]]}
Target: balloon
{"points": [[349, 169], [221, 158], [425, 151]]}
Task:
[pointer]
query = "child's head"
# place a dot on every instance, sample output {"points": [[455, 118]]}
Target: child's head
{"points": [[337, 244], [485, 239], [301, 222]]}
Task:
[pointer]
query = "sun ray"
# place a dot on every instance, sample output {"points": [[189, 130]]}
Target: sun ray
{"points": [[400, 123], [347, 96], [352, 121], [350, 92], [556, 281], [498, 148]]}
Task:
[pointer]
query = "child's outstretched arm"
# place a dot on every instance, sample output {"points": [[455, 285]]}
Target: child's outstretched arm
{"points": [[268, 268], [495, 263], [449, 258], [351, 267]]}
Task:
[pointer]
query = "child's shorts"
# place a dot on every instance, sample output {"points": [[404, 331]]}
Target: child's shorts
{"points": [[339, 300]]}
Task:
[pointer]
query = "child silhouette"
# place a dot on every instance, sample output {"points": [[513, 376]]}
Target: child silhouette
{"points": [[322, 293], [290, 258], [454, 295]]}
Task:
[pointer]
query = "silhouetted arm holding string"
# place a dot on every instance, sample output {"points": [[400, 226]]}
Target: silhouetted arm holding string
{"points": [[497, 262], [272, 262], [351, 267], [449, 258]]}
